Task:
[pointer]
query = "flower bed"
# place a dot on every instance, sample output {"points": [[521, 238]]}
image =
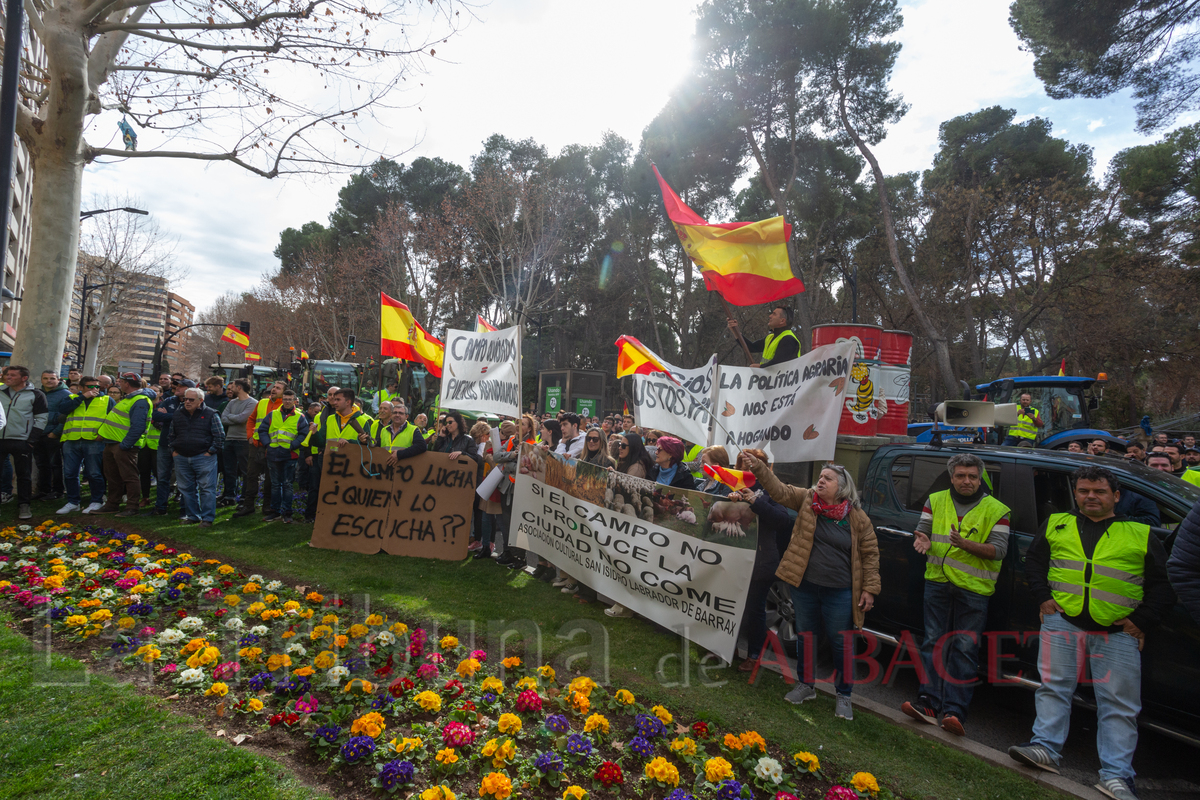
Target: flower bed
{"points": [[375, 697]]}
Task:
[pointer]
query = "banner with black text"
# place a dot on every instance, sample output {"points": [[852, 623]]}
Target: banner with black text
{"points": [[481, 372], [681, 409]]}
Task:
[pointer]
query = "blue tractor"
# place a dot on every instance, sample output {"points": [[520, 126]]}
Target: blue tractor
{"points": [[1063, 402]]}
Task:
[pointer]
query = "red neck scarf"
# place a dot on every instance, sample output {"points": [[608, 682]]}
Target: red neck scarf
{"points": [[836, 512]]}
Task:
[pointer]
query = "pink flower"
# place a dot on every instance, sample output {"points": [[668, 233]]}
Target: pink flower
{"points": [[109, 574], [125, 583], [307, 705], [434, 658], [529, 700], [479, 655], [147, 632], [427, 672], [366, 648], [841, 793], [168, 668], [786, 796], [456, 734], [226, 670]]}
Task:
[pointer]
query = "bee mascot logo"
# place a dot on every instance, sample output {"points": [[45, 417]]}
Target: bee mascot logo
{"points": [[862, 404]]}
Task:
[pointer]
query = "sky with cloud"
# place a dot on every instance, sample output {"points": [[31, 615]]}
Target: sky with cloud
{"points": [[563, 73]]}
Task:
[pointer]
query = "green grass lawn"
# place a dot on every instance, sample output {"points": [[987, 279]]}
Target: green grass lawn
{"points": [[61, 737], [451, 595]]}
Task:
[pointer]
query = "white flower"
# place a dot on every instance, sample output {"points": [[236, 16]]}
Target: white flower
{"points": [[170, 636], [274, 586], [191, 676], [5, 547], [260, 630], [55, 551], [205, 580], [91, 568], [104, 593], [29, 549], [385, 637], [191, 624], [768, 769], [296, 649], [336, 674], [25, 528], [80, 562], [133, 551], [256, 578], [158, 583], [24, 562], [234, 624]]}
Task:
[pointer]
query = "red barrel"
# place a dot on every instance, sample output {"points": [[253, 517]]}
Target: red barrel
{"points": [[862, 406], [897, 347], [891, 384]]}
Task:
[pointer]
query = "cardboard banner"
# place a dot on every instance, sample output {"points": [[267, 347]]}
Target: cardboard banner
{"points": [[789, 410], [683, 411], [419, 507], [680, 558], [480, 372]]}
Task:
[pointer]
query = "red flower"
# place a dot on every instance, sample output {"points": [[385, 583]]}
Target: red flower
{"points": [[335, 602], [456, 734], [609, 774], [467, 706], [454, 686], [181, 613], [220, 612], [170, 551], [700, 730], [400, 686], [227, 584], [529, 700]]}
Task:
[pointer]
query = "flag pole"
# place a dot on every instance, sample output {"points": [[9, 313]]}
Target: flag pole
{"points": [[736, 331]]}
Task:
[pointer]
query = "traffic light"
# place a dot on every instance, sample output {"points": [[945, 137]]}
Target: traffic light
{"points": [[244, 327], [350, 343]]}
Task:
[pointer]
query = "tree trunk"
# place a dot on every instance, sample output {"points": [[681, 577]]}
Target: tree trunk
{"points": [[57, 156], [941, 347]]}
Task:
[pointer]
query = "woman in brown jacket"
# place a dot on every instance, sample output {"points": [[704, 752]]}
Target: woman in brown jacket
{"points": [[832, 563]]}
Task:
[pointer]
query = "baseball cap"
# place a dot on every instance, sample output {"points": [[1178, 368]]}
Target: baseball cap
{"points": [[186, 383], [132, 377]]}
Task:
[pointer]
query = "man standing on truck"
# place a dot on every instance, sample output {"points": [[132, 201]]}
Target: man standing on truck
{"points": [[1024, 433], [1102, 584], [963, 533], [780, 344]]}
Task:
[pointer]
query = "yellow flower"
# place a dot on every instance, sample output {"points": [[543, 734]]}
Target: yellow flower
{"points": [[663, 771], [304, 672], [807, 760], [583, 684], [250, 653], [400, 629], [256, 608], [509, 723], [733, 742], [320, 632], [325, 660], [504, 753], [596, 722], [512, 662], [193, 661], [341, 641], [369, 724], [492, 684], [125, 623], [438, 792], [717, 769], [103, 615], [315, 597], [194, 645], [625, 697], [225, 569], [329, 619], [490, 748], [448, 642], [151, 655], [405, 744], [136, 574], [429, 701], [232, 600], [467, 667], [287, 634], [580, 703], [363, 686], [218, 689], [270, 614], [89, 603], [142, 588], [546, 671], [271, 598], [250, 588], [495, 784], [865, 782], [684, 746], [752, 739], [290, 605], [53, 582], [375, 619], [278, 660], [446, 756], [358, 630], [526, 683], [210, 655], [574, 793], [255, 704], [662, 714]]}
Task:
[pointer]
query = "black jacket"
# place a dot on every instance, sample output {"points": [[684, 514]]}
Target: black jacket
{"points": [[463, 444], [1184, 566], [197, 432]]}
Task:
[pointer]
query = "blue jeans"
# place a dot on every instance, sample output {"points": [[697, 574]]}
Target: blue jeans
{"points": [[816, 606], [165, 463], [91, 455], [1116, 679], [197, 477], [954, 619], [282, 473]]}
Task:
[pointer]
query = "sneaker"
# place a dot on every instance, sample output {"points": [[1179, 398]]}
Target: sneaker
{"points": [[93, 508], [920, 711], [618, 610], [285, 520], [952, 724], [570, 588], [69, 508], [1118, 788], [269, 516], [803, 692], [309, 520], [129, 512], [185, 520], [205, 524], [475, 545], [1034, 755], [844, 709], [24, 512], [244, 511], [5, 498], [561, 582]]}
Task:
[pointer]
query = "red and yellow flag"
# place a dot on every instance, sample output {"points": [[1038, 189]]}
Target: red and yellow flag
{"points": [[303, 353], [1062, 369], [235, 336], [401, 336], [482, 325], [634, 358], [253, 356], [625, 409], [735, 479], [745, 262]]}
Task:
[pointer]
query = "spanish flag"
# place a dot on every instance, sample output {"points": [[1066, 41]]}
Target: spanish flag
{"points": [[745, 262], [634, 358], [735, 479], [235, 336], [401, 336], [482, 325], [1062, 369], [253, 356], [303, 353]]}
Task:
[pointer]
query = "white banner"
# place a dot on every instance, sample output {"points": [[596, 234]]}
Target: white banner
{"points": [[660, 403], [480, 372], [789, 410], [680, 558]]}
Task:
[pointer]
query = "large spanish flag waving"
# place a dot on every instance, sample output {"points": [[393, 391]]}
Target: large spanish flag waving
{"points": [[401, 336], [235, 336], [746, 262], [634, 358]]}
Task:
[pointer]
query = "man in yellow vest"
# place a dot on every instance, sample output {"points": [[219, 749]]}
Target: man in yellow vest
{"points": [[256, 459], [85, 413], [399, 437], [780, 344], [281, 433], [122, 429], [963, 533], [1102, 585], [1024, 433], [339, 425]]}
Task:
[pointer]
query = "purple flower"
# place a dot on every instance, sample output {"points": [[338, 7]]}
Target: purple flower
{"points": [[261, 681], [680, 794], [558, 723], [578, 745], [648, 726], [395, 773], [548, 762], [357, 747], [329, 733], [730, 790], [641, 747]]}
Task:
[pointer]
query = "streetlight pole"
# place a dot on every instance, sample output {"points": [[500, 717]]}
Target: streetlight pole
{"points": [[88, 214]]}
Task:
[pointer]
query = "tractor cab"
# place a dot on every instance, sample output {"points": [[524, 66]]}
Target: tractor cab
{"points": [[1063, 402]]}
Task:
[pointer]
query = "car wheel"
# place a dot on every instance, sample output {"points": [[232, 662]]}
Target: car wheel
{"points": [[781, 616]]}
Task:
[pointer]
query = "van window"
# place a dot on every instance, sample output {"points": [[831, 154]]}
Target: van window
{"points": [[929, 475], [901, 474], [1052, 494]]}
